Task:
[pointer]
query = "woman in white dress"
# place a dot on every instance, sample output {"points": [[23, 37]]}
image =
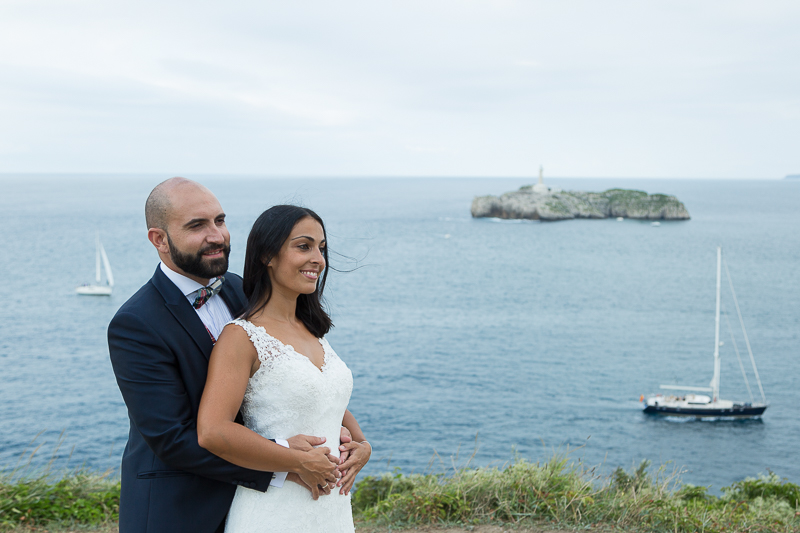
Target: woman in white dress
{"points": [[275, 364]]}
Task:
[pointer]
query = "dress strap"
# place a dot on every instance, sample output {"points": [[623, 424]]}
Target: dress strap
{"points": [[267, 347], [250, 328]]}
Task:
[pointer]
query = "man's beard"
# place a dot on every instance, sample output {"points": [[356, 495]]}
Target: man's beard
{"points": [[196, 264]]}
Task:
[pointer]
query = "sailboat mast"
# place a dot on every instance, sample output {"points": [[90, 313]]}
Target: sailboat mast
{"points": [[715, 380]]}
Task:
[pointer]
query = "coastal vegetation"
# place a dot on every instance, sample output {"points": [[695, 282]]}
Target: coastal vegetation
{"points": [[560, 492], [568, 494], [76, 498]]}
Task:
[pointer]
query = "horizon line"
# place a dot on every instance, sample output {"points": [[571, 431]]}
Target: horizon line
{"points": [[375, 176]]}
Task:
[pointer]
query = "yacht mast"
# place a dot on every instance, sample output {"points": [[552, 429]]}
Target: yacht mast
{"points": [[715, 379]]}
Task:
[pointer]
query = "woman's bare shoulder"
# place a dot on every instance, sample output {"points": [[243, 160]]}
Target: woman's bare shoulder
{"points": [[235, 338]]}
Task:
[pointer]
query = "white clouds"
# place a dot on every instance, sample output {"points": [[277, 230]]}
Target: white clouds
{"points": [[423, 88]]}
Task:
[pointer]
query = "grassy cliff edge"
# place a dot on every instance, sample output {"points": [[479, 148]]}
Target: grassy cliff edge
{"points": [[559, 493]]}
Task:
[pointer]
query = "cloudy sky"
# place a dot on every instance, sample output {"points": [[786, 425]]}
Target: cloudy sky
{"points": [[639, 88]]}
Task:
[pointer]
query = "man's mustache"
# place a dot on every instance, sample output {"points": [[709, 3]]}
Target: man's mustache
{"points": [[224, 248]]}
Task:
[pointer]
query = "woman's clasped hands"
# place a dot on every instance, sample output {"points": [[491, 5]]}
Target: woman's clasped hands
{"points": [[353, 457], [321, 471]]}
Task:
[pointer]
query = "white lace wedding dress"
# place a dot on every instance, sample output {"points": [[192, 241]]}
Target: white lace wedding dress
{"points": [[288, 395]]}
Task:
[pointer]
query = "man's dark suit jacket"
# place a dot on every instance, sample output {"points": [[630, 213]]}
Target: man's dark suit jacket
{"points": [[159, 350]]}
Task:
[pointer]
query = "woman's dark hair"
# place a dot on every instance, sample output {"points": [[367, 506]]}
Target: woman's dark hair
{"points": [[269, 232]]}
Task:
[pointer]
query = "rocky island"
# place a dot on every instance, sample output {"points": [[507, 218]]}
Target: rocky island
{"points": [[540, 202]]}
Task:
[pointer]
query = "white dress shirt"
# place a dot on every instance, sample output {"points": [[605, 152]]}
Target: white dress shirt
{"points": [[214, 314]]}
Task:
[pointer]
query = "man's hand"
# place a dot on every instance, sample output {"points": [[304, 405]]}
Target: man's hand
{"points": [[316, 474], [305, 443], [317, 469], [295, 478], [359, 454]]}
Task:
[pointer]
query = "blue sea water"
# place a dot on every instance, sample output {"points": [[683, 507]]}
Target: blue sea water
{"points": [[524, 336]]}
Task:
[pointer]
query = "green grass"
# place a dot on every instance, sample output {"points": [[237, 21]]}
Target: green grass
{"points": [[561, 492], [39, 497], [568, 494], [79, 497]]}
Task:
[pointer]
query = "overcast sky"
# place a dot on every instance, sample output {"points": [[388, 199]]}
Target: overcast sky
{"points": [[587, 88]]}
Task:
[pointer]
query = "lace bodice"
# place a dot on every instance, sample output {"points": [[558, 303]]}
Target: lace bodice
{"points": [[288, 395]]}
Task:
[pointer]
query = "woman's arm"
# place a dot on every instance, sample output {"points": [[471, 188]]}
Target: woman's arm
{"points": [[359, 451], [232, 362], [349, 421]]}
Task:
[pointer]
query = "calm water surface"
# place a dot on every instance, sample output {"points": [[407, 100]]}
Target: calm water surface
{"points": [[531, 336]]}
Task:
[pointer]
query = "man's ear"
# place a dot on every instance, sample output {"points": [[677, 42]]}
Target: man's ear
{"points": [[158, 237]]}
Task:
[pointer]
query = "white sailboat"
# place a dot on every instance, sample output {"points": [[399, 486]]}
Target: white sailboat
{"points": [[98, 289], [702, 405]]}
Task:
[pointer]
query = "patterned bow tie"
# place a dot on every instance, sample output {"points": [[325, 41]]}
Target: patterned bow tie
{"points": [[204, 293]]}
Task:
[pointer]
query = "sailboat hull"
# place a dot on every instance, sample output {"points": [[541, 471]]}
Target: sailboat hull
{"points": [[736, 411], [94, 290]]}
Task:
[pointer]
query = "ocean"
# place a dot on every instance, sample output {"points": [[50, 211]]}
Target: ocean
{"points": [[470, 340]]}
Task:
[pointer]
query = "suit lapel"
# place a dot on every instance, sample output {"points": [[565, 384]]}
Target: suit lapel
{"points": [[233, 300], [183, 312]]}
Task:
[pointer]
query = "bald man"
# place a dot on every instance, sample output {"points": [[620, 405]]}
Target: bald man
{"points": [[159, 342]]}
